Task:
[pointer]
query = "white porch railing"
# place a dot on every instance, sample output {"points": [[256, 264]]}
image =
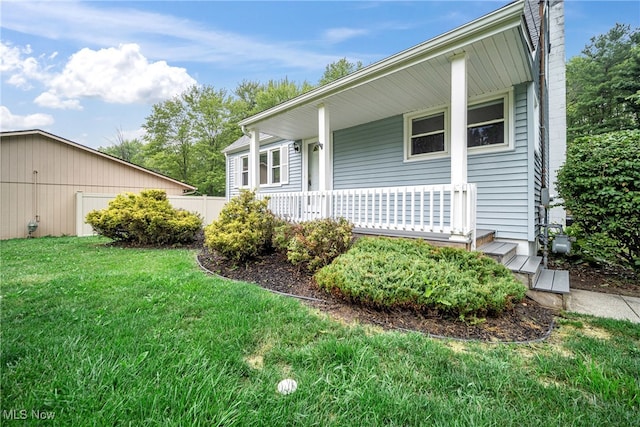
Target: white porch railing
{"points": [[448, 209]]}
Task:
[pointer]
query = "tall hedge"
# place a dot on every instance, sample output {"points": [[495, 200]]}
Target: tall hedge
{"points": [[600, 185]]}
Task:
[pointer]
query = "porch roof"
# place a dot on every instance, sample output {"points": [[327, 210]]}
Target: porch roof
{"points": [[498, 56]]}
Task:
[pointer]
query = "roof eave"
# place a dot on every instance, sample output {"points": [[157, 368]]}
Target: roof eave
{"points": [[508, 16]]}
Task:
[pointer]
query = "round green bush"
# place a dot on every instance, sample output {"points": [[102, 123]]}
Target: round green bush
{"points": [[145, 219], [243, 230]]}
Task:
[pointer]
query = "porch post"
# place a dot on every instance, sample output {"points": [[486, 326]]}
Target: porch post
{"points": [[458, 145], [324, 161], [324, 139], [459, 119], [254, 159]]}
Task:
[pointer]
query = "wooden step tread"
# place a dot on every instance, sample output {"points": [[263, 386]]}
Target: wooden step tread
{"points": [[556, 281], [498, 248], [524, 264]]}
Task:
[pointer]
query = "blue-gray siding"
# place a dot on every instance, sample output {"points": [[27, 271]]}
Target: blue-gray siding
{"points": [[371, 155]]}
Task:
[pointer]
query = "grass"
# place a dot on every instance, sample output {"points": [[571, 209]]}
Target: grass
{"points": [[98, 335]]}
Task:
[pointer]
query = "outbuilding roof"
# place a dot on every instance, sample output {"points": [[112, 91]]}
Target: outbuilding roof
{"points": [[108, 157]]}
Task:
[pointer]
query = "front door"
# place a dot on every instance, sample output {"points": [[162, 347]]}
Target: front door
{"points": [[313, 167], [313, 179]]}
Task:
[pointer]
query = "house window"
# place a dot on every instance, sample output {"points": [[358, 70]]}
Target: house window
{"points": [[264, 168], [488, 129], [270, 167], [244, 171], [273, 167], [427, 135], [486, 124]]}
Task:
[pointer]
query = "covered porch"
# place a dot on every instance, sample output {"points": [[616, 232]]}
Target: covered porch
{"points": [[485, 57]]}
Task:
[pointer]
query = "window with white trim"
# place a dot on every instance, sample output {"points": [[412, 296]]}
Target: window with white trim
{"points": [[244, 171], [427, 135], [273, 167], [486, 124]]}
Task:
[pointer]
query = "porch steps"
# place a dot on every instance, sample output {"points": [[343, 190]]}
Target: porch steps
{"points": [[502, 252], [527, 269], [556, 281]]}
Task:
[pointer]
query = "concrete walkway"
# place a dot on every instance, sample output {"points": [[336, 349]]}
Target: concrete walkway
{"points": [[604, 305]]}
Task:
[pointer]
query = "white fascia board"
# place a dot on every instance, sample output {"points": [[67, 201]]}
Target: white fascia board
{"points": [[509, 16]]}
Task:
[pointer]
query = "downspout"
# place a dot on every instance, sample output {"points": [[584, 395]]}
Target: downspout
{"points": [[542, 79], [544, 202]]}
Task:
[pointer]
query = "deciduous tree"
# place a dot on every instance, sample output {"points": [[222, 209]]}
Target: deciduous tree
{"points": [[603, 84], [130, 150], [185, 136], [338, 69]]}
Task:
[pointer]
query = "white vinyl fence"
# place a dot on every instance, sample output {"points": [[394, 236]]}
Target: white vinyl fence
{"points": [[206, 206]]}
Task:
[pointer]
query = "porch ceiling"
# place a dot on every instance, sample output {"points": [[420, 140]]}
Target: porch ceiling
{"points": [[420, 78]]}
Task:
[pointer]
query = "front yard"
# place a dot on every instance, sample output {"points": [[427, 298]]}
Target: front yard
{"points": [[94, 334]]}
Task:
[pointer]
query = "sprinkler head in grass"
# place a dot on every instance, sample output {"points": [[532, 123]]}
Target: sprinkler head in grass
{"points": [[287, 386]]}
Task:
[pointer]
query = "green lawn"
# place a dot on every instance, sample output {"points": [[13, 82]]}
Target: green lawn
{"points": [[97, 335]]}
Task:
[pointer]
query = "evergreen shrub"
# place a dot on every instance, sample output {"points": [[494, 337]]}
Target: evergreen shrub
{"points": [[145, 219], [243, 230], [600, 186], [385, 273]]}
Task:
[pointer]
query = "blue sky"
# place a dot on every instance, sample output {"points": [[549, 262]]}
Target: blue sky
{"points": [[85, 69]]}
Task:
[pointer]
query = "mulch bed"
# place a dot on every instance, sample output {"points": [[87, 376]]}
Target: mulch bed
{"points": [[527, 321], [610, 280]]}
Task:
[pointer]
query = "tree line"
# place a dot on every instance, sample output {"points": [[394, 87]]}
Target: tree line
{"points": [[186, 134]]}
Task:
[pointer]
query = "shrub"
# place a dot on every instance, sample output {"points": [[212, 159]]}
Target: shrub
{"points": [[146, 219], [283, 233], [316, 243], [597, 248], [600, 185], [243, 230], [386, 273]]}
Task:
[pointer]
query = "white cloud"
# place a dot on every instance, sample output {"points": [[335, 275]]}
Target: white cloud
{"points": [[51, 100], [338, 35], [9, 121], [20, 70], [181, 39], [119, 75]]}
